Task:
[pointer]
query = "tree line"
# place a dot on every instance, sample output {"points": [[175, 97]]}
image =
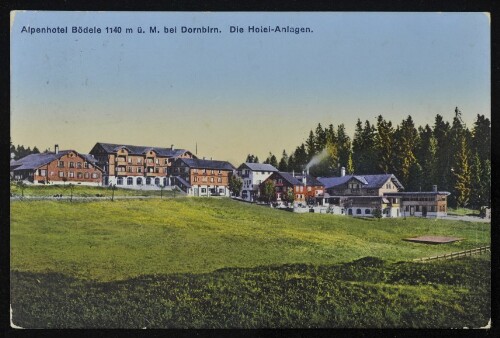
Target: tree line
{"points": [[450, 155], [19, 151]]}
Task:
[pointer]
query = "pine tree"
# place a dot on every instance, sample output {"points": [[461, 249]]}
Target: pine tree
{"points": [[343, 145], [363, 146], [426, 155], [462, 175], [384, 145], [481, 138], [476, 186], [350, 165], [320, 138], [283, 165], [406, 138], [311, 146], [442, 168]]}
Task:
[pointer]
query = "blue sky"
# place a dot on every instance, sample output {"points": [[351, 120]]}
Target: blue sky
{"points": [[235, 94]]}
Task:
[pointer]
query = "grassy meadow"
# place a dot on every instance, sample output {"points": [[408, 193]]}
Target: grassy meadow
{"points": [[199, 262]]}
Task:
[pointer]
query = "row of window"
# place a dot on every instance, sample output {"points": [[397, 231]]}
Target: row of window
{"points": [[204, 179], [139, 170], [204, 171], [431, 208], [71, 174], [426, 198], [139, 180], [139, 160], [78, 165]]}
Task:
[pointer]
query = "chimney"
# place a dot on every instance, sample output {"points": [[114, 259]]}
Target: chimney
{"points": [[293, 172], [203, 157], [434, 188], [342, 172], [210, 158], [307, 171], [56, 148], [304, 178], [171, 147]]}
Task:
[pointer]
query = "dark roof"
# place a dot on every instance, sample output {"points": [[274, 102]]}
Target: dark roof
{"points": [[310, 180], [368, 181], [34, 161], [289, 178], [258, 167], [141, 150], [207, 164]]}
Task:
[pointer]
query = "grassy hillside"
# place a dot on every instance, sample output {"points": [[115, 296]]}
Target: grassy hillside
{"points": [[367, 293], [108, 241]]}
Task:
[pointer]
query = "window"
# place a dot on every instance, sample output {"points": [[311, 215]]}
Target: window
{"points": [[212, 172], [157, 181], [61, 164], [85, 164], [71, 174], [139, 160], [61, 174], [301, 188], [87, 175], [220, 172], [367, 211], [130, 160], [204, 171], [358, 211], [130, 169], [43, 172], [157, 161], [79, 175], [157, 170], [211, 179], [148, 180], [79, 165], [165, 170], [130, 181], [203, 190], [95, 175], [119, 181], [219, 180], [195, 170], [139, 180], [166, 161], [195, 179], [139, 169], [71, 164]]}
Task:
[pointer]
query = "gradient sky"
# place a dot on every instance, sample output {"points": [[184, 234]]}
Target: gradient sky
{"points": [[235, 94]]}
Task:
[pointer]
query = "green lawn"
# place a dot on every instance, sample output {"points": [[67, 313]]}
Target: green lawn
{"points": [[82, 191], [106, 241]]}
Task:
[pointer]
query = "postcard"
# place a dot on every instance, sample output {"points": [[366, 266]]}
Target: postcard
{"points": [[250, 170]]}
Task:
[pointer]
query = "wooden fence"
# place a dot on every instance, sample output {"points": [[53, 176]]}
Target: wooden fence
{"points": [[470, 252]]}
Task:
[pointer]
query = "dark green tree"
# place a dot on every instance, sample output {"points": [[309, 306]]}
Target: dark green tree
{"points": [[462, 175], [320, 138], [343, 145], [235, 185], [310, 146], [269, 191], [283, 164], [406, 138], [384, 145]]}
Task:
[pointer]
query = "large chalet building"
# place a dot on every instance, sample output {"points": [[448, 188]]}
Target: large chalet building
{"points": [[360, 195], [306, 189], [58, 167], [252, 175], [200, 177], [132, 166]]}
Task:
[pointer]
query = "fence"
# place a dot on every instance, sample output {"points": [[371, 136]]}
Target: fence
{"points": [[470, 252]]}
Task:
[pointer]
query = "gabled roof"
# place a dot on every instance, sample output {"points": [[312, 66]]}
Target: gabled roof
{"points": [[141, 150], [258, 167], [368, 181], [310, 180], [289, 178], [35, 161], [206, 164]]}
